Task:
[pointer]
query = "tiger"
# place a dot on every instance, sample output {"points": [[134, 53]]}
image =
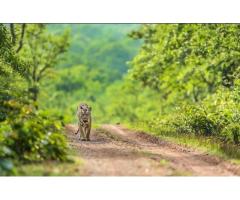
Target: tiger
{"points": [[84, 121]]}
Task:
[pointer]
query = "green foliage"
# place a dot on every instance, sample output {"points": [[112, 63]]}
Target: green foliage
{"points": [[42, 51], [70, 86], [194, 68], [100, 46], [126, 102], [187, 61], [217, 116], [73, 167], [95, 62], [27, 135], [12, 70], [9, 60], [35, 136]]}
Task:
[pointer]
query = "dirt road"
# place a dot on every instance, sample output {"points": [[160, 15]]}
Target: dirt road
{"points": [[117, 151]]}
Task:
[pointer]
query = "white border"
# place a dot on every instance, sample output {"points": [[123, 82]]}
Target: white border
{"points": [[120, 11], [115, 188]]}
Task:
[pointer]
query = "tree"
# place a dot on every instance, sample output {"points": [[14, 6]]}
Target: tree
{"points": [[187, 61], [15, 38], [42, 51], [22, 130], [12, 69]]}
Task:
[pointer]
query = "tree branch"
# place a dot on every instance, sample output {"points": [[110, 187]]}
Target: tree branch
{"points": [[204, 78], [41, 72], [21, 39], [13, 34]]}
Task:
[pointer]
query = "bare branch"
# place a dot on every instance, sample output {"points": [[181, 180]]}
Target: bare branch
{"points": [[21, 39], [12, 30]]}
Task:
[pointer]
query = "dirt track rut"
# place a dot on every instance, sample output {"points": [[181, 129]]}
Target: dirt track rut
{"points": [[117, 151]]}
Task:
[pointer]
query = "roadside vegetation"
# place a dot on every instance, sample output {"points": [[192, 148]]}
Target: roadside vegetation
{"points": [[196, 70], [28, 134]]}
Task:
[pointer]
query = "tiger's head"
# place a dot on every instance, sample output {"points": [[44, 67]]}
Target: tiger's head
{"points": [[85, 111]]}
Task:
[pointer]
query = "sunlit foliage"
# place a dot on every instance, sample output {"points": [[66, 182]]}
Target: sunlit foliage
{"points": [[27, 134]]}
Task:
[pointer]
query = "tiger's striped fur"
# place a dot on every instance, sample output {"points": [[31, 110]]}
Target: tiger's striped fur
{"points": [[84, 121]]}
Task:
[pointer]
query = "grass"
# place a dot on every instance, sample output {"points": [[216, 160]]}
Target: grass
{"points": [[96, 125], [164, 162], [209, 145], [180, 173], [72, 167]]}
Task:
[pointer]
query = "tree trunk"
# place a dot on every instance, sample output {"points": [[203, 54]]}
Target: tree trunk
{"points": [[34, 93]]}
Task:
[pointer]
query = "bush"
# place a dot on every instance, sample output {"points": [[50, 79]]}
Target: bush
{"points": [[30, 136], [218, 116], [231, 133], [196, 120], [37, 139]]}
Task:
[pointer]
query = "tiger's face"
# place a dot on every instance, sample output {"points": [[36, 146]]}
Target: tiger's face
{"points": [[85, 112]]}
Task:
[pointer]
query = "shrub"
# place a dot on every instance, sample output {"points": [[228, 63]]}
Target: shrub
{"points": [[30, 136], [218, 116]]}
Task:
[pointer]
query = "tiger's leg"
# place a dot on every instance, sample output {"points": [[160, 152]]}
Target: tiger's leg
{"points": [[82, 134], [85, 131], [78, 128], [88, 132], [77, 132]]}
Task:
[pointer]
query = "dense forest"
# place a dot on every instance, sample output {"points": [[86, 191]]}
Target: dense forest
{"points": [[97, 58], [177, 81]]}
